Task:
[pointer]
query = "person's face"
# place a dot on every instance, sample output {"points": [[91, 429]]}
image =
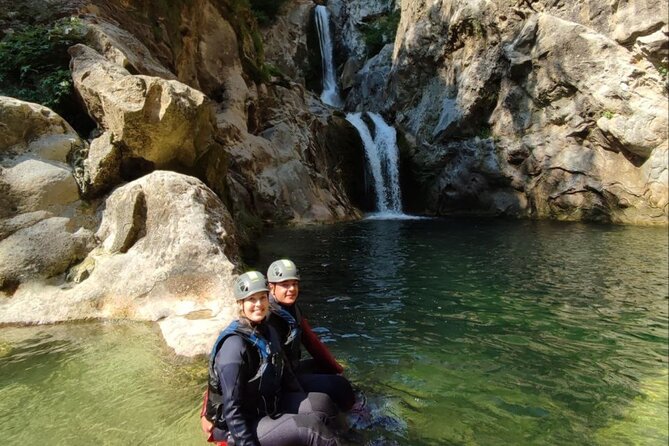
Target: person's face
{"points": [[285, 292], [256, 306]]}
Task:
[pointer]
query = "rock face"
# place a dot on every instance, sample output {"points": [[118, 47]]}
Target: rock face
{"points": [[43, 226], [540, 109], [148, 122], [260, 154], [166, 250], [186, 93]]}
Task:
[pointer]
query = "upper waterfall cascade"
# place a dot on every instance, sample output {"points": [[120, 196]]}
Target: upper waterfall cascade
{"points": [[382, 155], [330, 94]]}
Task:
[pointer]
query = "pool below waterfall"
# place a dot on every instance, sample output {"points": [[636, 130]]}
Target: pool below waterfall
{"points": [[455, 331]]}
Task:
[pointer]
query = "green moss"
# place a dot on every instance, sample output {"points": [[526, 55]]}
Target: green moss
{"points": [[608, 114], [251, 50], [34, 63], [380, 31]]}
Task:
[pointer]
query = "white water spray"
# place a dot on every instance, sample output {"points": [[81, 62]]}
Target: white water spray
{"points": [[382, 155], [330, 94]]}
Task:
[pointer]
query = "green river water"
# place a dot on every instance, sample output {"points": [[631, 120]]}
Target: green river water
{"points": [[456, 331]]}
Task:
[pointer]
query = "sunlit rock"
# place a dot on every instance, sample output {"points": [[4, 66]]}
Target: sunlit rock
{"points": [[167, 248], [157, 122], [43, 229]]}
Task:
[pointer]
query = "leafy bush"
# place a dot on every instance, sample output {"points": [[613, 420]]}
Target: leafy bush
{"points": [[266, 10], [34, 63], [380, 32]]}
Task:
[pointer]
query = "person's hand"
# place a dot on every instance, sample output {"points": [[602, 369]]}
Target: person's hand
{"points": [[207, 426]]}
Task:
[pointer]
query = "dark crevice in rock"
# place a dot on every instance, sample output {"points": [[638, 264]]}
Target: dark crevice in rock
{"points": [[9, 286]]}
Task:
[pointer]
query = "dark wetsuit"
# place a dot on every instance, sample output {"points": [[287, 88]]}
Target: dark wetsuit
{"points": [[320, 374], [270, 410]]}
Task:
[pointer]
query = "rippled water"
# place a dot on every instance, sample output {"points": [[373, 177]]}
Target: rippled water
{"points": [[489, 332], [457, 332], [95, 384]]}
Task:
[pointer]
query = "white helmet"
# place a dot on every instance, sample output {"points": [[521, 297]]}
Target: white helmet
{"points": [[249, 283], [281, 270]]}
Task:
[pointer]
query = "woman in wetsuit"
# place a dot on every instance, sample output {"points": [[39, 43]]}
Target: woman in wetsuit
{"points": [[252, 398]]}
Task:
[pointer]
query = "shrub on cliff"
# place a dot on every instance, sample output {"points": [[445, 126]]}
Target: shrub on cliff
{"points": [[34, 64], [380, 31], [266, 10]]}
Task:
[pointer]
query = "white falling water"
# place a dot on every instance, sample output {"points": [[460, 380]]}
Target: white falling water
{"points": [[330, 94], [382, 155]]}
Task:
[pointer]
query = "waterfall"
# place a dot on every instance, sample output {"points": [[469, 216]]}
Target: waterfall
{"points": [[330, 94], [382, 156]]}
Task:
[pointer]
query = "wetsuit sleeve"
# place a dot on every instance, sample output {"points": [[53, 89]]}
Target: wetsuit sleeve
{"points": [[317, 349], [233, 374]]}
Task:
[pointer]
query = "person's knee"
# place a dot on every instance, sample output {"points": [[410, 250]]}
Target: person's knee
{"points": [[319, 404], [313, 431], [295, 430], [345, 397], [338, 387]]}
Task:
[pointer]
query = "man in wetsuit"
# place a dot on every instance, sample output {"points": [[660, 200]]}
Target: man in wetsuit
{"points": [[322, 373]]}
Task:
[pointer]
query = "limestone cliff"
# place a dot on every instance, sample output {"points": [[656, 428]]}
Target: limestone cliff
{"points": [[197, 144], [544, 109]]}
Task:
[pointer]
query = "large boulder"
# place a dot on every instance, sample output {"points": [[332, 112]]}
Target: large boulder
{"points": [[148, 122], [167, 250], [32, 128], [44, 228], [42, 250], [122, 48]]}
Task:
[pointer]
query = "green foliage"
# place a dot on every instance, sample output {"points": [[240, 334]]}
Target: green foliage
{"points": [[272, 70], [663, 70], [484, 132], [381, 31], [608, 114], [266, 10], [244, 20], [34, 63]]}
